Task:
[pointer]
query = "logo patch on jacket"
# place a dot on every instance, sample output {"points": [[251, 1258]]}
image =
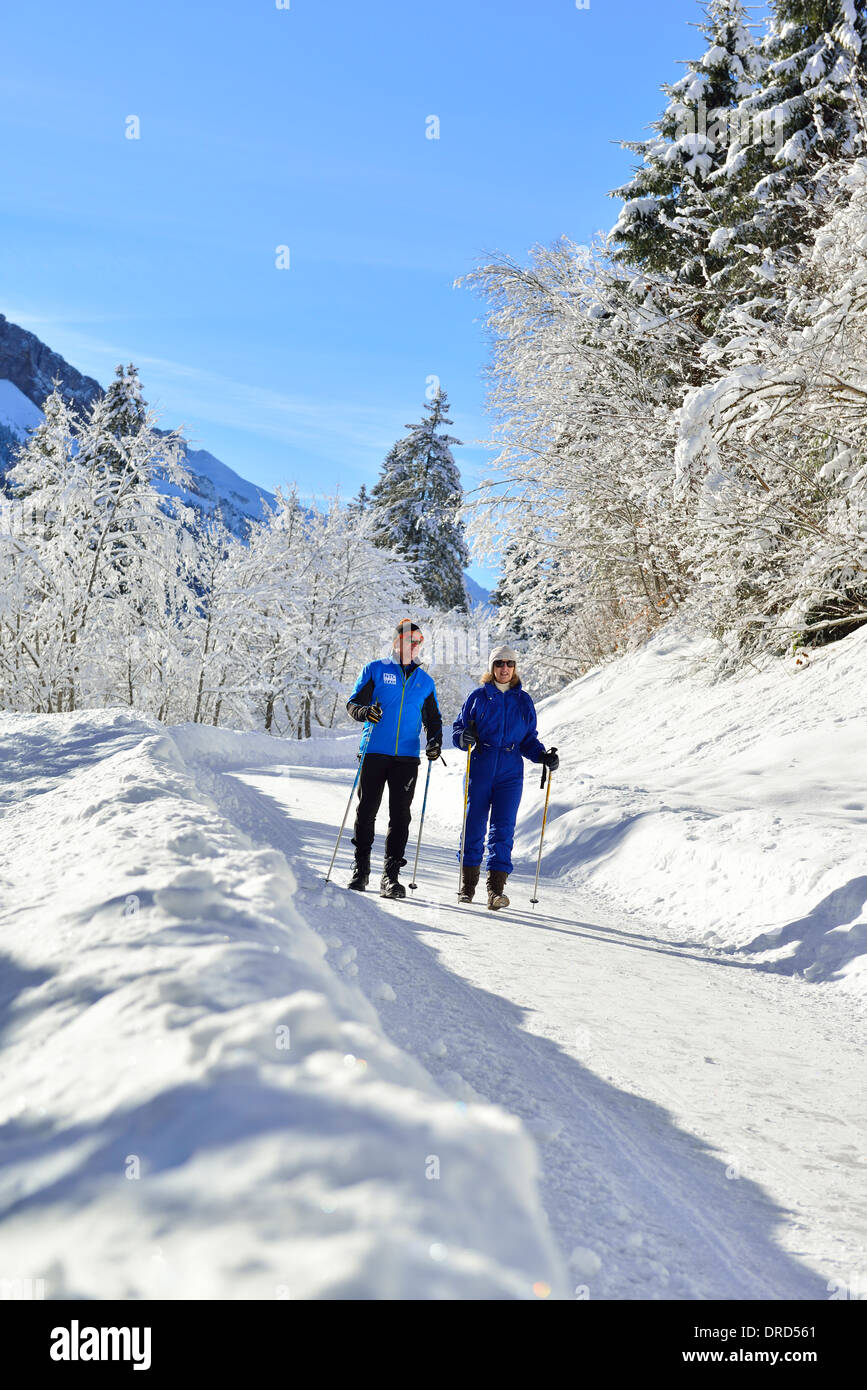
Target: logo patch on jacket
{"points": [[389, 677]]}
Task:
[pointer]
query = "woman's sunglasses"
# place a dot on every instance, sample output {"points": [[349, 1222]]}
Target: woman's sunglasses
{"points": [[504, 663]]}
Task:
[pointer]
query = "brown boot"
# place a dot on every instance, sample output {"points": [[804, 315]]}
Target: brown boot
{"points": [[496, 885], [469, 879]]}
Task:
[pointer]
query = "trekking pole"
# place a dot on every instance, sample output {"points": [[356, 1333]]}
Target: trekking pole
{"points": [[464, 826], [421, 822], [534, 899], [346, 813]]}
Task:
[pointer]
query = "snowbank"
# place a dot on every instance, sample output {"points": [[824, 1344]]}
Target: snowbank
{"points": [[732, 813], [193, 1103], [224, 749]]}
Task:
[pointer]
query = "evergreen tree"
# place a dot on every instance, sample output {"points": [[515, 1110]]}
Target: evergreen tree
{"points": [[672, 205], [361, 500], [415, 508], [808, 115], [507, 595], [388, 499], [119, 419]]}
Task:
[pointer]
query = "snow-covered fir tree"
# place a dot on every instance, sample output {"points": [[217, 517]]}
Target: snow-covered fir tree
{"points": [[361, 500], [809, 112], [116, 420], [416, 508], [672, 206]]}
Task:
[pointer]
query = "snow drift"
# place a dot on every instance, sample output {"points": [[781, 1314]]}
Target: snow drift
{"points": [[731, 813], [194, 1103]]}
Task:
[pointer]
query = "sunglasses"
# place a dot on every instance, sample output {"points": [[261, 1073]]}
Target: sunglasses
{"points": [[504, 663], [405, 637]]}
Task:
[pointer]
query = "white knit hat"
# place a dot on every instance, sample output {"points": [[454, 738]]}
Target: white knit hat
{"points": [[502, 654]]}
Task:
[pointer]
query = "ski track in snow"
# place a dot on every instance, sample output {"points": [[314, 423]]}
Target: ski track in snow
{"points": [[700, 1123]]}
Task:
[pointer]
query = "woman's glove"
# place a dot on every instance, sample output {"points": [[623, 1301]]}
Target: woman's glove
{"points": [[550, 760], [469, 737]]}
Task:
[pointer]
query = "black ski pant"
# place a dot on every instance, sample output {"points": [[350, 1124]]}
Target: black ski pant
{"points": [[400, 775]]}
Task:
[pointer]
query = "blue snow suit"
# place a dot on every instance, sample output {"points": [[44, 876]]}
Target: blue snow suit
{"points": [[506, 725]]}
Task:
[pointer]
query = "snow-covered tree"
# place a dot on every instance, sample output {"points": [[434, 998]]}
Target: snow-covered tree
{"points": [[416, 508], [774, 450], [672, 206], [97, 556], [807, 115], [589, 369], [361, 500], [317, 596], [115, 594]]}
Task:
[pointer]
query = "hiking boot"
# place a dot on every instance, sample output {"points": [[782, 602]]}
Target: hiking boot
{"points": [[496, 884], [469, 879], [360, 872], [389, 886]]}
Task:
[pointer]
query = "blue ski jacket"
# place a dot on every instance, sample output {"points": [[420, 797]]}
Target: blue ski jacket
{"points": [[505, 721], [408, 698]]}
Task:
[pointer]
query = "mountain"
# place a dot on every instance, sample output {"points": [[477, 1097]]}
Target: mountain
{"points": [[30, 365], [27, 371], [475, 590], [28, 368]]}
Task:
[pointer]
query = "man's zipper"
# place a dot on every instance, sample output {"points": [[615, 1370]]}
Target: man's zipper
{"points": [[399, 712]]}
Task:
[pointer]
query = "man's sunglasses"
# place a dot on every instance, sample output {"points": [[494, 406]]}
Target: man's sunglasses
{"points": [[403, 637]]}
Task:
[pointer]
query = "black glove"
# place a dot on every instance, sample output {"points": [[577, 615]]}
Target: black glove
{"points": [[469, 737], [433, 749], [372, 713], [550, 760]]}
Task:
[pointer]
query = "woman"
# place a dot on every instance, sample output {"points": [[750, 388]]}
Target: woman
{"points": [[498, 721]]}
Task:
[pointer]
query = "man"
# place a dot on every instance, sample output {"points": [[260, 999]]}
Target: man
{"points": [[393, 698]]}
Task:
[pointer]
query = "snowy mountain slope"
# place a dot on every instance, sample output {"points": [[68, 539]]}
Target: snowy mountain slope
{"points": [[196, 1099], [731, 814], [477, 593], [27, 369], [216, 485], [17, 412], [32, 366], [213, 483]]}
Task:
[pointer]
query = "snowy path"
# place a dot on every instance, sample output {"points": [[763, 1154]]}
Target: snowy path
{"points": [[700, 1124]]}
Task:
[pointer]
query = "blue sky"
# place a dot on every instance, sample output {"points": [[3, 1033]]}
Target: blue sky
{"points": [[305, 127]]}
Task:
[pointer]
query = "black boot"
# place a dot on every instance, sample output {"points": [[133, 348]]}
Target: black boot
{"points": [[469, 879], [496, 886], [389, 886], [360, 872]]}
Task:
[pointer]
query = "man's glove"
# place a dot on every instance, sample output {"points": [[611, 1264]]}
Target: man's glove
{"points": [[469, 737], [550, 760], [433, 749], [372, 713]]}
